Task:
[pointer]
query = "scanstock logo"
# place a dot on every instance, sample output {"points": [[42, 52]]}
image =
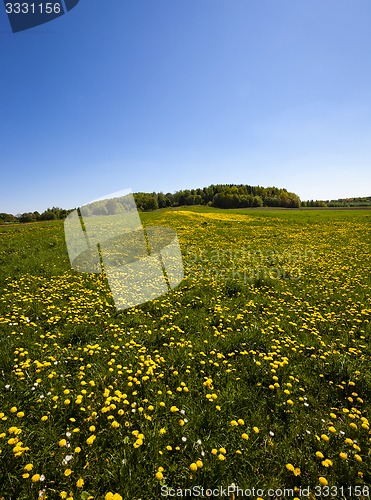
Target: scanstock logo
{"points": [[27, 14]]}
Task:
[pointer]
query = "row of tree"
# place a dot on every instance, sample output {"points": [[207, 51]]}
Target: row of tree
{"points": [[218, 195], [49, 214], [341, 202]]}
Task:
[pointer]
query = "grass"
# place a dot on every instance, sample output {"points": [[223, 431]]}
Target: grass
{"points": [[254, 371]]}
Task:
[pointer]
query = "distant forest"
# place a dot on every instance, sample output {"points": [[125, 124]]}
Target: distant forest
{"points": [[341, 202], [218, 195]]}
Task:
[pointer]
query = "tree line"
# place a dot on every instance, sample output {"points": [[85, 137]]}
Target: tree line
{"points": [[220, 196], [216, 195], [48, 214], [341, 202]]}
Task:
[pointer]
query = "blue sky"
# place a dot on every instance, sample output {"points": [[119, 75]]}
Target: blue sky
{"points": [[161, 95]]}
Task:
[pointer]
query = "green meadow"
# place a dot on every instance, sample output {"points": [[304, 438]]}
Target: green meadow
{"points": [[254, 371]]}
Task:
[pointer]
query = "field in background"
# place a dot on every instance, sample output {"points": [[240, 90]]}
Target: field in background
{"points": [[255, 371]]}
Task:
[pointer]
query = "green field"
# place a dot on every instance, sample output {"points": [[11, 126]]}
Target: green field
{"points": [[254, 371]]}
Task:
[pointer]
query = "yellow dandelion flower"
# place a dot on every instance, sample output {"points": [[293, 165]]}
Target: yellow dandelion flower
{"points": [[91, 440]]}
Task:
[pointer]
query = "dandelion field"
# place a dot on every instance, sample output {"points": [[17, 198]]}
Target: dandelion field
{"points": [[254, 371]]}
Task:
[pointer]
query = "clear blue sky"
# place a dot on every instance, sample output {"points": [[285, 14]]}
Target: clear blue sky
{"points": [[161, 95]]}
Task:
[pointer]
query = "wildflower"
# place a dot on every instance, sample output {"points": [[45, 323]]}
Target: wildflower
{"points": [[62, 442], [193, 467], [343, 456], [67, 472], [159, 475], [35, 478], [323, 481], [327, 462], [245, 436], [290, 467], [91, 440], [80, 483]]}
